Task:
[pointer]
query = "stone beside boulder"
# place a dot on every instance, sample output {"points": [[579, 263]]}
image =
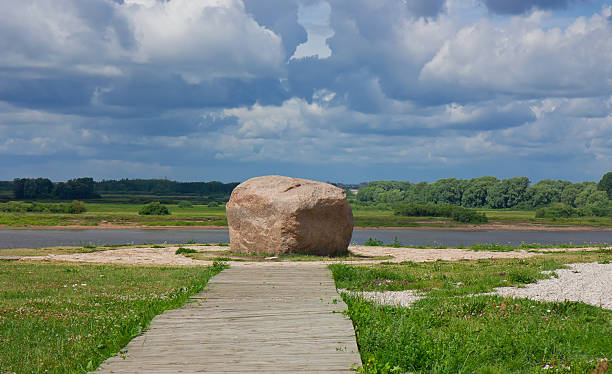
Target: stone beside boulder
{"points": [[275, 214]]}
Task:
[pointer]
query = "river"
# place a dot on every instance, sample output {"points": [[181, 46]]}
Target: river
{"points": [[25, 238]]}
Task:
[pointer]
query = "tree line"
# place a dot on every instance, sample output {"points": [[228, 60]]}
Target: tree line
{"points": [[491, 192], [164, 187], [43, 188], [87, 188]]}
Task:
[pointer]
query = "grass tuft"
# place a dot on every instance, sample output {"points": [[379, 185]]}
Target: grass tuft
{"points": [[182, 250]]}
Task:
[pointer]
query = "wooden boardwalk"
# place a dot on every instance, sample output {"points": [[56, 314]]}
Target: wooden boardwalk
{"points": [[276, 319]]}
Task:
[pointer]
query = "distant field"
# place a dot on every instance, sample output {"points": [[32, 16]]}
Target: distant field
{"points": [[120, 214], [126, 214]]}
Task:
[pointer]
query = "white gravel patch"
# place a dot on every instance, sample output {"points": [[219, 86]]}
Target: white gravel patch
{"points": [[395, 298], [590, 283]]}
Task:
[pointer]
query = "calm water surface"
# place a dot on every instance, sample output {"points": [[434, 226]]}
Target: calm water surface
{"points": [[450, 238]]}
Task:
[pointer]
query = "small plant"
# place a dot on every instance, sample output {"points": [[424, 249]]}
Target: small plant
{"points": [[185, 204], [222, 259], [213, 204], [154, 209], [373, 242], [182, 250], [372, 366], [396, 243]]}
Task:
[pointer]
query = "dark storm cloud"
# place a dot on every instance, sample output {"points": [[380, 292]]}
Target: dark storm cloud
{"points": [[171, 92], [425, 8], [522, 6]]}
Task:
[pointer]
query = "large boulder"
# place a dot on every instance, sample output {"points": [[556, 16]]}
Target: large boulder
{"points": [[274, 214]]}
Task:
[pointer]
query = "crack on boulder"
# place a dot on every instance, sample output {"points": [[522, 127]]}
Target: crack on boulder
{"points": [[295, 185]]}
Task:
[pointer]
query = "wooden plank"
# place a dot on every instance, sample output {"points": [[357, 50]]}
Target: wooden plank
{"points": [[274, 319]]}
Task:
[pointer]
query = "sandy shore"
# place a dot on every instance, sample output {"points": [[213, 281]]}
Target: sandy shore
{"points": [[167, 256]]}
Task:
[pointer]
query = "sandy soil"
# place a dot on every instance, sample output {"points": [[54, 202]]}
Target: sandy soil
{"points": [[590, 283], [166, 256]]}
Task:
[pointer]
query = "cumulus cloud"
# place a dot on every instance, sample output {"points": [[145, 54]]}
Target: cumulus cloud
{"points": [[521, 58], [197, 39], [203, 39], [182, 88]]}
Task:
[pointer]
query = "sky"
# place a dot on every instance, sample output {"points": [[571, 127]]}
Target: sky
{"points": [[338, 90]]}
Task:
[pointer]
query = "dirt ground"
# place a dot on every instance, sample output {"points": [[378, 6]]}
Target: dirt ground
{"points": [[167, 256]]}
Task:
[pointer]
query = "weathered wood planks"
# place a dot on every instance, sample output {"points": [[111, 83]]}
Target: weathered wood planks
{"points": [[249, 319]]}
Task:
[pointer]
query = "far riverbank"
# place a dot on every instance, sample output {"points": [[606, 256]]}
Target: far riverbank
{"points": [[33, 238], [455, 227]]}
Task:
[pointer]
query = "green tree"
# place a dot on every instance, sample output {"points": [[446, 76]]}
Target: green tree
{"points": [[605, 184], [32, 188], [446, 191], [475, 195], [507, 194], [598, 199], [591, 197], [545, 192]]}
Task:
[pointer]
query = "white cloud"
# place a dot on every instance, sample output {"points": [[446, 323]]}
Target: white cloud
{"points": [[204, 39], [523, 58], [198, 39]]}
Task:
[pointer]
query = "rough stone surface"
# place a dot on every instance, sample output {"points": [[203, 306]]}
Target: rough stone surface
{"points": [[274, 214]]}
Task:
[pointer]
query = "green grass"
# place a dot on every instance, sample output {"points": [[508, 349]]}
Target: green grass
{"points": [[528, 216], [507, 248], [182, 250], [69, 318], [482, 334], [455, 278], [203, 215], [450, 331], [53, 250]]}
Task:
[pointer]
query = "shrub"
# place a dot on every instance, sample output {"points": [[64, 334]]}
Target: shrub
{"points": [[457, 213], [565, 211], [373, 242], [185, 204], [77, 207], [464, 215], [154, 208], [213, 204]]}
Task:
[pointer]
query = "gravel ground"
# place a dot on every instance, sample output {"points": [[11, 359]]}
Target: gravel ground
{"points": [[400, 298], [590, 283]]}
